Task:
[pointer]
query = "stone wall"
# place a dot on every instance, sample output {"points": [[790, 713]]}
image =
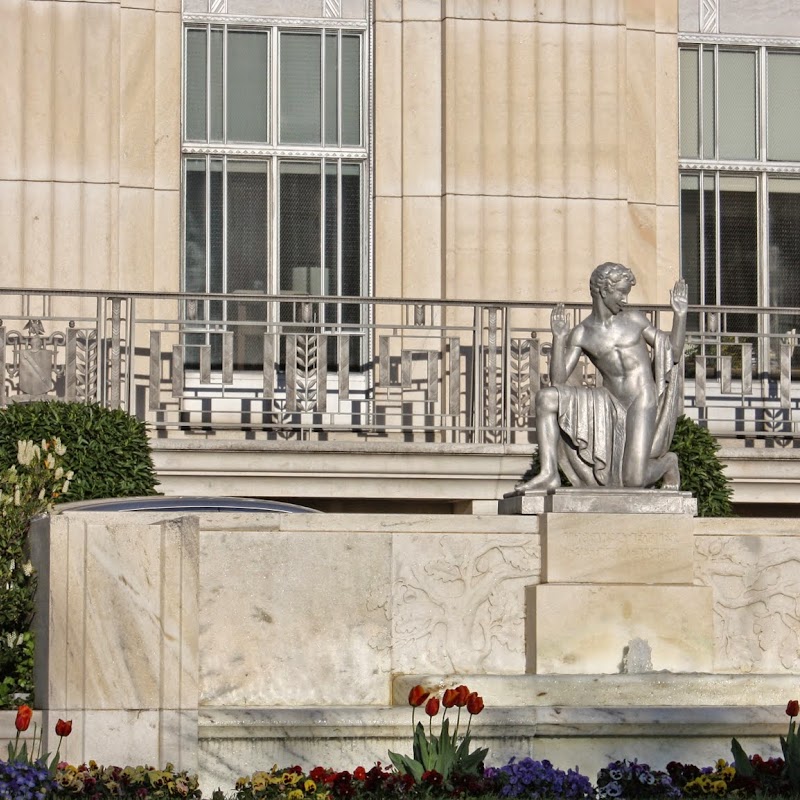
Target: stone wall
{"points": [[227, 641]]}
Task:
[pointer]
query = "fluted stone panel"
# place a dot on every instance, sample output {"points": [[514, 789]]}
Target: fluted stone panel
{"points": [[92, 93], [550, 130]]}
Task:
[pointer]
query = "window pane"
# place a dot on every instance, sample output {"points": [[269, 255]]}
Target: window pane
{"points": [[247, 226], [299, 221], [195, 115], [783, 106], [300, 88], [351, 229], [784, 242], [247, 86], [709, 130], [331, 89], [351, 89], [195, 226], [331, 229], [689, 147], [215, 134], [690, 235], [738, 247], [737, 104]]}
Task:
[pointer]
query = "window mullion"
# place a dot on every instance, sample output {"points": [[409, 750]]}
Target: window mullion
{"points": [[225, 84]]}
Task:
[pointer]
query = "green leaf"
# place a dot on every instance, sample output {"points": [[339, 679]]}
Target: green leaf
{"points": [[741, 761]]}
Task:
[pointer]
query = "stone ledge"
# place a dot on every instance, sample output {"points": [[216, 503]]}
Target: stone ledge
{"points": [[656, 689]]}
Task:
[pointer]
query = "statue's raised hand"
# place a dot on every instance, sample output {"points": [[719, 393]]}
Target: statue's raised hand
{"points": [[559, 324], [679, 297]]}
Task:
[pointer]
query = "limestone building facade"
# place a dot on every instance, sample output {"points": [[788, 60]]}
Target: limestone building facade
{"points": [[479, 151]]}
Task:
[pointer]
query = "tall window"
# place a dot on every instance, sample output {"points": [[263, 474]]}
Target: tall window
{"points": [[275, 168], [740, 178]]}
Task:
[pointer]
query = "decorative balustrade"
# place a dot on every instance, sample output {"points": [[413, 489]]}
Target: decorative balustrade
{"points": [[262, 366]]}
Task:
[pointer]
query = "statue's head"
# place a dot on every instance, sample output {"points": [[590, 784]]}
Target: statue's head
{"points": [[609, 274]]}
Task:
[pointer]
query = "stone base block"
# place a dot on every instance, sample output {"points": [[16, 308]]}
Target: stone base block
{"points": [[612, 548], [584, 629], [525, 504], [621, 501]]}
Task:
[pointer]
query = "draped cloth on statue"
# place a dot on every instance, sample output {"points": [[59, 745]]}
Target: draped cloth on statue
{"points": [[592, 423]]}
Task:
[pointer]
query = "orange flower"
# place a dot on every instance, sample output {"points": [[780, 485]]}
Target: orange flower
{"points": [[463, 695], [474, 703], [63, 728], [432, 707], [24, 714], [450, 697], [417, 696], [793, 708]]}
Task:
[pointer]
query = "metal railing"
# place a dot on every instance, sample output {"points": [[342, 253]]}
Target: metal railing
{"points": [[310, 368]]}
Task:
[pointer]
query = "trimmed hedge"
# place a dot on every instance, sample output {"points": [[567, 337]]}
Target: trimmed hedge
{"points": [[108, 450]]}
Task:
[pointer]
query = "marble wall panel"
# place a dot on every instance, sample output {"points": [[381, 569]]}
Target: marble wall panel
{"points": [[532, 248], [756, 585], [422, 246], [116, 629], [12, 15], [458, 602], [137, 93], [167, 104], [136, 237], [388, 90], [38, 74], [312, 623], [11, 226], [641, 94], [100, 85], [388, 247], [422, 107]]}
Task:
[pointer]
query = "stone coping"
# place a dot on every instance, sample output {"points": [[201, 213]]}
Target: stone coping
{"points": [[337, 722], [653, 689]]}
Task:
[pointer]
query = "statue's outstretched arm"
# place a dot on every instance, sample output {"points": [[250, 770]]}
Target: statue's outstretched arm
{"points": [[679, 300], [565, 354]]}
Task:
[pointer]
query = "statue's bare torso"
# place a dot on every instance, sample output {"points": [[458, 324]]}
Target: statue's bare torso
{"points": [[617, 340]]}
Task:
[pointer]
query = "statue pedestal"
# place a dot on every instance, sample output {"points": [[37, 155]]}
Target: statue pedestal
{"points": [[617, 566]]}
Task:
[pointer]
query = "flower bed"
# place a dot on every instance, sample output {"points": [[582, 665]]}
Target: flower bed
{"points": [[441, 766]]}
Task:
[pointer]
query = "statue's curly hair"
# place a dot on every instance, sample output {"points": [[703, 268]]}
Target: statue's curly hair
{"points": [[607, 274]]}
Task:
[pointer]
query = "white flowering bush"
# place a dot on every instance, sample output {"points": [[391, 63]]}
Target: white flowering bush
{"points": [[28, 488]]}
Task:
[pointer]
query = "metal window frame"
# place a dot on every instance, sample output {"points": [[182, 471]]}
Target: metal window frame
{"points": [[272, 151]]}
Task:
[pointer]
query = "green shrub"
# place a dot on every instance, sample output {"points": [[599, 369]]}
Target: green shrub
{"points": [[27, 488], [107, 450], [701, 470], [702, 473]]}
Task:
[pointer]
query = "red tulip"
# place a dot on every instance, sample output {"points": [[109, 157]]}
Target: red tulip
{"points": [[793, 708], [450, 697], [417, 696], [474, 703], [463, 695], [432, 707], [24, 714], [63, 728]]}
